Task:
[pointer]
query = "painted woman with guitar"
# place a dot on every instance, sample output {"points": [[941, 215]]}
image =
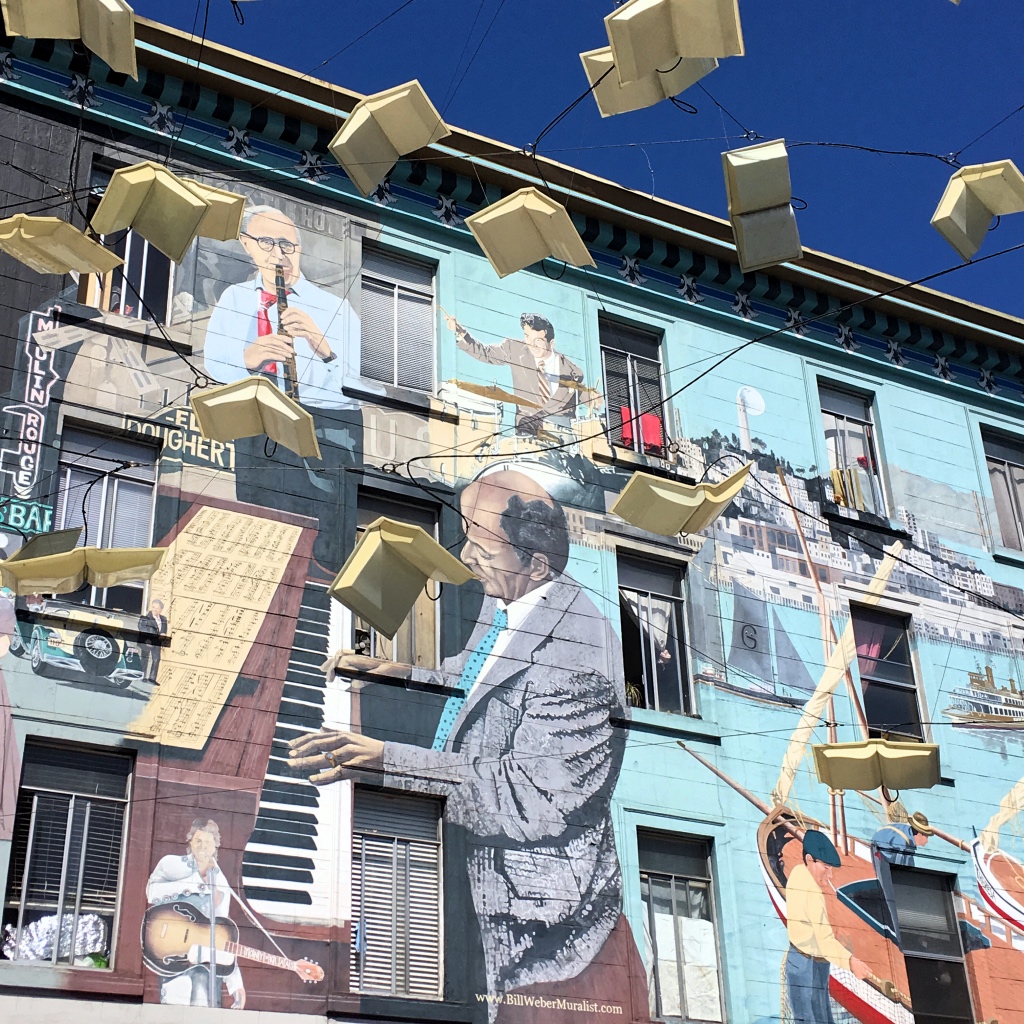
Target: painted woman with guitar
{"points": [[187, 880]]}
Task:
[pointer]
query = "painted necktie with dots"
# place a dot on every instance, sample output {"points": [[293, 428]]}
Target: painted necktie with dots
{"points": [[470, 674]]}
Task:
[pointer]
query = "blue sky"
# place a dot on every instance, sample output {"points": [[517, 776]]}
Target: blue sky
{"points": [[900, 74]]}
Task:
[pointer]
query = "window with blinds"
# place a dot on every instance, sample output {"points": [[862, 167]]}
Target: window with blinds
{"points": [[929, 935], [106, 484], [396, 895], [684, 975], [417, 641], [63, 882], [854, 469], [632, 380], [397, 301]]}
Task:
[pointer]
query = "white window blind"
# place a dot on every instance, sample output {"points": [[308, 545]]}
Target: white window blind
{"points": [[396, 895], [397, 321]]}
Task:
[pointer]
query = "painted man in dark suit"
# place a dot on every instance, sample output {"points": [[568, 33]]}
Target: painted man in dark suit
{"points": [[540, 375], [152, 624], [525, 751]]}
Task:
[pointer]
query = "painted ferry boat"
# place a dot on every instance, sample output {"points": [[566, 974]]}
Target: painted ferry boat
{"points": [[983, 704]]}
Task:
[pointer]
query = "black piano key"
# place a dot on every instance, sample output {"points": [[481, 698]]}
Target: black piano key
{"points": [[277, 791], [298, 897], [300, 819], [310, 694], [281, 859], [276, 874], [290, 839]]}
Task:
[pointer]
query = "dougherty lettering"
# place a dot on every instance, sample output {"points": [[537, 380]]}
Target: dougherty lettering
{"points": [[552, 1003]]}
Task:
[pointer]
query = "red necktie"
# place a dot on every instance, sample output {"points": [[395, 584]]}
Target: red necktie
{"points": [[263, 326]]}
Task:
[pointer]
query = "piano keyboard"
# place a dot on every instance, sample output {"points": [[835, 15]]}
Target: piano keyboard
{"points": [[299, 852]]}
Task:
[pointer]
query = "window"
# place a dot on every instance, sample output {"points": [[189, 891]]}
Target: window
{"points": [[396, 895], [142, 287], [932, 950], [852, 457], [417, 639], [886, 674], [113, 480], [65, 869], [653, 645], [1005, 458], [398, 321], [683, 973], [632, 380]]}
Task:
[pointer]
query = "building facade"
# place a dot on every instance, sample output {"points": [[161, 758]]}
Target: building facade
{"points": [[582, 786]]}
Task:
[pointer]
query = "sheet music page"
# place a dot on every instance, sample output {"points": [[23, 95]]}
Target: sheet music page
{"points": [[218, 579]]}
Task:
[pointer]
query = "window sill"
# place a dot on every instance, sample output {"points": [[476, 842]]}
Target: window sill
{"points": [[20, 974], [1008, 556], [669, 724], [405, 399]]}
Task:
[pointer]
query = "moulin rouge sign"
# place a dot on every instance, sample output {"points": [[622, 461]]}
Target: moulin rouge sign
{"points": [[21, 454]]}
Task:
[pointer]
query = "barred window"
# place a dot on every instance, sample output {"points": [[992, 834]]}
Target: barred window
{"points": [[63, 883], [632, 382]]}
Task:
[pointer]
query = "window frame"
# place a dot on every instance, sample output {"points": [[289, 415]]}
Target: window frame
{"points": [[396, 503], [1007, 441], [869, 427], [708, 879], [905, 622], [398, 286], [678, 602], [106, 481], [125, 802], [948, 887], [630, 352], [357, 955]]}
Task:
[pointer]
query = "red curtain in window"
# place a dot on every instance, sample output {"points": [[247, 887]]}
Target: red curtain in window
{"points": [[652, 435]]}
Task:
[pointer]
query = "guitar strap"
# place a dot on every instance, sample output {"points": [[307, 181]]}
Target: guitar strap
{"points": [[249, 914]]}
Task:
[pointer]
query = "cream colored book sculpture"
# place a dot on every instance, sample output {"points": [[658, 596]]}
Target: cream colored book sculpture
{"points": [[54, 543], [387, 570], [107, 27], [381, 129], [869, 764], [251, 406], [975, 196], [525, 228], [648, 36], [759, 192], [50, 245], [667, 507], [614, 98], [65, 572], [167, 210]]}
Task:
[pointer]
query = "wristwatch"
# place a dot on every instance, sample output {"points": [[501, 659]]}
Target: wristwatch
{"points": [[329, 358]]}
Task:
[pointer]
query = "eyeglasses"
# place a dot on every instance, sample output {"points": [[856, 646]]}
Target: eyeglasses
{"points": [[266, 243]]}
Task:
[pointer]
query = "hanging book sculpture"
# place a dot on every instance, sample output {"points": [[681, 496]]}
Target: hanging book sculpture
{"points": [[107, 27], [381, 129], [613, 97], [65, 572], [759, 193], [525, 228], [974, 197], [667, 507], [167, 210], [648, 36], [868, 764], [251, 406], [388, 568], [50, 245]]}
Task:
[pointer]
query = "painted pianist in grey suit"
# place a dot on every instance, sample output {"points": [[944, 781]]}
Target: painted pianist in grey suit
{"points": [[525, 752]]}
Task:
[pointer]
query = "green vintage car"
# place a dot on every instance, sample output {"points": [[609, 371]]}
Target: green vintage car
{"points": [[78, 642]]}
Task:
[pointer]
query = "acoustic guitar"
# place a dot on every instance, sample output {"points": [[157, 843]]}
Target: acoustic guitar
{"points": [[176, 938]]}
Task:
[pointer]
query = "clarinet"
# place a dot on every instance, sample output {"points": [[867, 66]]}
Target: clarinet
{"points": [[289, 370]]}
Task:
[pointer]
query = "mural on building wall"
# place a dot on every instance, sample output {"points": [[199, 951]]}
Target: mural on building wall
{"points": [[248, 696]]}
